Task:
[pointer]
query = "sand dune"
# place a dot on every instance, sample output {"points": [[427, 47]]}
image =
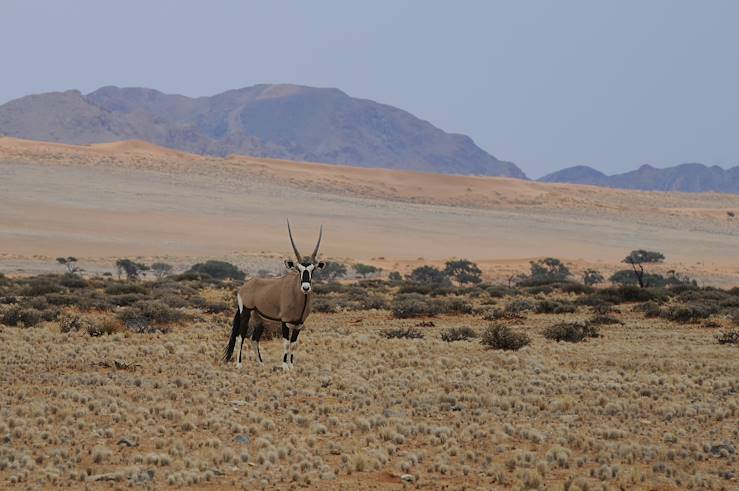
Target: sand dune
{"points": [[134, 198]]}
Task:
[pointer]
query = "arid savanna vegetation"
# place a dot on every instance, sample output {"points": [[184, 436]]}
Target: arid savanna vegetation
{"points": [[431, 380]]}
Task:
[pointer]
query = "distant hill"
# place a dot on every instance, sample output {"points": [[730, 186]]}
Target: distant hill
{"points": [[280, 121], [690, 178]]}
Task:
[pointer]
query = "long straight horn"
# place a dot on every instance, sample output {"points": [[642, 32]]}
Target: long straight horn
{"points": [[315, 251], [295, 249]]}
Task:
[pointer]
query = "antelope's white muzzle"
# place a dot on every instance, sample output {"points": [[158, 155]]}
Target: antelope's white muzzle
{"points": [[305, 287]]}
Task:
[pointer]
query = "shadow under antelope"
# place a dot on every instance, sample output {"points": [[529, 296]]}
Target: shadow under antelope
{"points": [[287, 300]]}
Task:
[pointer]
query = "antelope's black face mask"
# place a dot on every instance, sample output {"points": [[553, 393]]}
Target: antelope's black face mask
{"points": [[305, 271]]}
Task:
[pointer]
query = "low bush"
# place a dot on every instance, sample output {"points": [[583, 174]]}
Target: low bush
{"points": [[125, 299], [143, 314], [220, 270], [70, 321], [22, 317], [100, 326], [458, 334], [688, 313], [499, 291], [73, 281], [457, 306], [126, 289], [326, 288], [650, 309], [571, 332], [41, 286], [499, 336], [730, 336], [402, 333], [63, 299], [623, 294], [372, 301], [574, 287], [407, 305], [325, 305], [604, 320], [423, 288], [555, 307]]}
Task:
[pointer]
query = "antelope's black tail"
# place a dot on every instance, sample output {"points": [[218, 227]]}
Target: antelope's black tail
{"points": [[229, 351]]}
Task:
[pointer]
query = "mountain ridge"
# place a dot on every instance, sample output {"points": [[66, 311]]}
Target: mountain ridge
{"points": [[281, 121], [687, 177]]}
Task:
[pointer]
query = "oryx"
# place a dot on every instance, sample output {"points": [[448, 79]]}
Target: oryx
{"points": [[287, 300]]}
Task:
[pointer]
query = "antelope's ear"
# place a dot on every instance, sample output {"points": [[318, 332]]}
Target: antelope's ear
{"points": [[320, 265], [289, 264]]}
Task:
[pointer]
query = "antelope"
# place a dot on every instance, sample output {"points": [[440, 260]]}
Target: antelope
{"points": [[287, 300]]}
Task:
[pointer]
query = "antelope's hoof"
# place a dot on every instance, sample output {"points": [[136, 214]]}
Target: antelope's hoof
{"points": [[285, 367], [238, 366]]}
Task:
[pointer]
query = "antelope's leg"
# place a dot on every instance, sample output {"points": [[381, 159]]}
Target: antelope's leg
{"points": [[294, 333], [285, 345], [240, 344], [243, 331], [258, 328]]}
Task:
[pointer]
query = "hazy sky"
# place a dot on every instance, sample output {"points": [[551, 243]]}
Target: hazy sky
{"points": [[543, 84]]}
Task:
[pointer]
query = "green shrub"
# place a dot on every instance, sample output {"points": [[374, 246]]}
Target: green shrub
{"points": [[458, 334], [402, 333], [19, 316], [571, 332], [219, 270], [499, 336], [407, 305], [555, 307]]}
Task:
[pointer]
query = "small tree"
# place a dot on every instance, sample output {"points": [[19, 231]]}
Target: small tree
{"points": [[365, 269], [70, 263], [429, 275], [161, 269], [130, 268], [332, 271], [592, 277], [395, 277], [638, 258], [549, 270], [463, 271]]}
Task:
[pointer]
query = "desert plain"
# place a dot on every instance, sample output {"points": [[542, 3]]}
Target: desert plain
{"points": [[377, 399]]}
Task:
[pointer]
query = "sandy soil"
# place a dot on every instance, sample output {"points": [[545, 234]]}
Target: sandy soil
{"points": [[134, 199]]}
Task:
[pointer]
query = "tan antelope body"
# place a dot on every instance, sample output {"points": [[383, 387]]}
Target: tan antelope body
{"points": [[287, 300]]}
